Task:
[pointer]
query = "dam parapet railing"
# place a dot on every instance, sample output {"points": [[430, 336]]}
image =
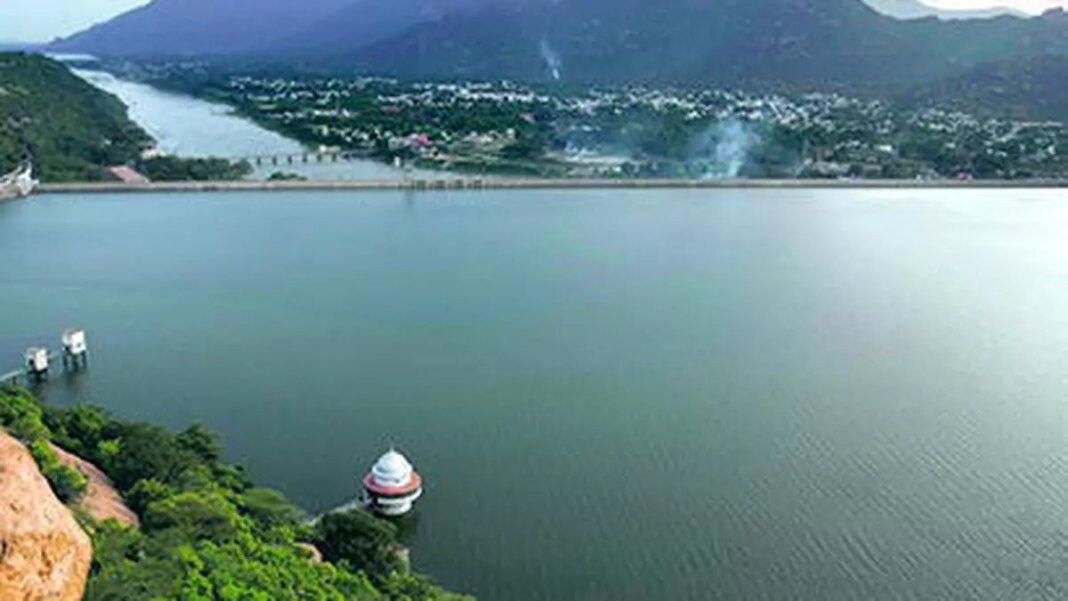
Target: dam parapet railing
{"points": [[503, 183]]}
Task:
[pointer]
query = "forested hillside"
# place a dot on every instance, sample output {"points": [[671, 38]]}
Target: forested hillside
{"points": [[206, 532], [71, 129], [1031, 88], [817, 44]]}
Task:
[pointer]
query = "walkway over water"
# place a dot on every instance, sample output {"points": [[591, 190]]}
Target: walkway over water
{"points": [[512, 183]]}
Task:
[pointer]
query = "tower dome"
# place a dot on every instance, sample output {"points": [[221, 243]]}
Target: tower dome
{"points": [[392, 485], [392, 469]]}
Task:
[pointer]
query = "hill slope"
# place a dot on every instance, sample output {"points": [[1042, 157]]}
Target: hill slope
{"points": [[72, 129], [832, 42], [200, 27], [1025, 88], [915, 9], [776, 42]]}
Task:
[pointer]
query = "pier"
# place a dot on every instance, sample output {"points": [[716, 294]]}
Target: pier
{"points": [[38, 360]]}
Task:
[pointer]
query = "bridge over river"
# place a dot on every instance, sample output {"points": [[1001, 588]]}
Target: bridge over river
{"points": [[303, 157]]}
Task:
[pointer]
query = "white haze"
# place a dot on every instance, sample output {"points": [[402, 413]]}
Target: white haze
{"points": [[725, 148], [552, 60]]}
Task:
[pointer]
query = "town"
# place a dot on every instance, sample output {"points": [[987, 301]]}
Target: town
{"points": [[511, 128]]}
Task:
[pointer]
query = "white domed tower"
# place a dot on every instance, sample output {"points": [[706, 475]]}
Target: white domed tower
{"points": [[393, 485]]}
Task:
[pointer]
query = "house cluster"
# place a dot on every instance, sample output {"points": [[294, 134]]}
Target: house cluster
{"points": [[833, 135]]}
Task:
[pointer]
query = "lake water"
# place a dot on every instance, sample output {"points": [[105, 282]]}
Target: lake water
{"points": [[613, 395], [185, 126]]}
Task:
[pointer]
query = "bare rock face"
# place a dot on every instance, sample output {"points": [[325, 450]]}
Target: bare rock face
{"points": [[314, 554], [101, 501], [44, 554]]}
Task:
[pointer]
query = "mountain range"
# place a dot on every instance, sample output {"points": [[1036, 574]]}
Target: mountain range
{"points": [[914, 9], [809, 43]]}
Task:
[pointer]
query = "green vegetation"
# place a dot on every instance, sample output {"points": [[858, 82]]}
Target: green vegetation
{"points": [[68, 483], [174, 169], [207, 533], [74, 131], [1029, 88], [281, 176], [71, 129], [641, 132]]}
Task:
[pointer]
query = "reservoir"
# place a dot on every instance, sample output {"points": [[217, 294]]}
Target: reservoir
{"points": [[648, 394]]}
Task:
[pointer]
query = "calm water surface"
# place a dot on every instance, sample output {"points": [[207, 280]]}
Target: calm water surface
{"points": [[613, 395]]}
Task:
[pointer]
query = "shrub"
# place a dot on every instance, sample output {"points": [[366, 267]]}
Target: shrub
{"points": [[67, 483], [146, 452], [146, 492], [21, 414], [78, 429], [201, 442], [196, 515], [360, 539], [270, 508]]}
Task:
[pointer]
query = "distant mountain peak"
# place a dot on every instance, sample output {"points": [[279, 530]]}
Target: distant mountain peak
{"points": [[811, 44], [915, 9]]}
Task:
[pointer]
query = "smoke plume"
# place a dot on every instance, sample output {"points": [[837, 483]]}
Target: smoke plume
{"points": [[551, 58], [725, 147]]}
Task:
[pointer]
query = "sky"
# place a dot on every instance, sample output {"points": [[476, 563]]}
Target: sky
{"points": [[43, 20]]}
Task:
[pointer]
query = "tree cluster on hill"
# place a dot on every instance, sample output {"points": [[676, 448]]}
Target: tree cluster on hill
{"points": [[71, 129], [1022, 88], [176, 169], [208, 533]]}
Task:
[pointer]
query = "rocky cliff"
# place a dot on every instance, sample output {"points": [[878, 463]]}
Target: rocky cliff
{"points": [[44, 554], [101, 501]]}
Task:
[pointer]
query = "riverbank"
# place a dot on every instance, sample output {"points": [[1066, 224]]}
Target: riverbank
{"points": [[539, 184]]}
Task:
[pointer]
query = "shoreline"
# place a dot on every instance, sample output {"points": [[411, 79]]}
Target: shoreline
{"points": [[534, 184]]}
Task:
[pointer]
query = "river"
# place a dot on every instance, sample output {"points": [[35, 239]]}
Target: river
{"points": [[186, 126], [686, 395]]}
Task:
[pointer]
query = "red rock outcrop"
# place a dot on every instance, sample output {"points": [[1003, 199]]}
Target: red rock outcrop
{"points": [[101, 501], [44, 554]]}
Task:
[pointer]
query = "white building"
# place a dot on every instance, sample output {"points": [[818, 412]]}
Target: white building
{"points": [[393, 485]]}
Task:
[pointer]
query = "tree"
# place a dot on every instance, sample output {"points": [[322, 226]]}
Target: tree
{"points": [[146, 492], [67, 483], [360, 539], [147, 452], [21, 414], [78, 429], [270, 508], [195, 514], [200, 441]]}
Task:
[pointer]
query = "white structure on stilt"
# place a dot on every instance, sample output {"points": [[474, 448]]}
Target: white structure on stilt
{"points": [[75, 348], [37, 361], [392, 485]]}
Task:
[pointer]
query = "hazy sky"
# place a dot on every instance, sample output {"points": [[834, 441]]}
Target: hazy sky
{"points": [[42, 20]]}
